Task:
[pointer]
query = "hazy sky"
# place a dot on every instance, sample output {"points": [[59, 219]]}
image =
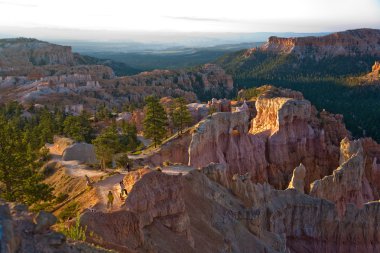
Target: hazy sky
{"points": [[193, 15]]}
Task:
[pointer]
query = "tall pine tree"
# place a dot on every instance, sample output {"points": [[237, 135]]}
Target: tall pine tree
{"points": [[107, 144], [156, 120], [181, 115]]}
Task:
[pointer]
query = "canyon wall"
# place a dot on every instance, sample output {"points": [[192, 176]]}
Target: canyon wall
{"points": [[28, 52], [366, 42]]}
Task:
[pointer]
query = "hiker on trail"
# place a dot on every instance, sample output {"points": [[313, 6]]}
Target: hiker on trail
{"points": [[122, 189], [88, 181], [128, 167], [110, 200]]}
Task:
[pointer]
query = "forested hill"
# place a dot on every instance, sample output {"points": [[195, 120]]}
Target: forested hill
{"points": [[339, 54]]}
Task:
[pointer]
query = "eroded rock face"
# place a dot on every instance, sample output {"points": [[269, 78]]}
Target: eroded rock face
{"points": [[118, 230], [286, 131], [336, 44], [312, 224], [44, 221], [348, 183], [158, 196], [224, 138], [174, 151], [298, 179], [18, 233], [296, 222], [274, 114], [372, 168], [27, 52], [376, 66]]}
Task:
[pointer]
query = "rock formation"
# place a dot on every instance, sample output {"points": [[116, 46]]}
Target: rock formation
{"points": [[348, 183], [44, 73], [25, 232], [372, 168], [96, 84], [157, 196], [335, 44], [118, 230], [370, 78], [233, 201], [376, 67], [298, 179], [312, 224], [29, 52], [287, 130], [82, 152], [296, 222]]}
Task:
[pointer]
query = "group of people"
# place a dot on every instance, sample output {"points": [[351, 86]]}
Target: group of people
{"points": [[111, 198], [123, 191]]}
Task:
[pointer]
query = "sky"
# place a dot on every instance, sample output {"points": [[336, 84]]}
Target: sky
{"points": [[187, 16]]}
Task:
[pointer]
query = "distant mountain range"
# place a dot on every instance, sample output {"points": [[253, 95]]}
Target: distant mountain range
{"points": [[133, 41], [20, 56]]}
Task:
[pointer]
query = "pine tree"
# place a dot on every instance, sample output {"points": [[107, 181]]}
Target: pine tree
{"points": [[129, 136], [181, 115], [78, 128], [106, 145], [19, 178], [155, 121]]}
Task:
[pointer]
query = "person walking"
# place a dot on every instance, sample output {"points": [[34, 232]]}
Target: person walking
{"points": [[88, 181], [122, 189], [110, 200], [128, 167]]}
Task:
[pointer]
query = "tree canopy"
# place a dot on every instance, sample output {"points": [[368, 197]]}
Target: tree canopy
{"points": [[156, 120], [19, 177], [181, 114]]}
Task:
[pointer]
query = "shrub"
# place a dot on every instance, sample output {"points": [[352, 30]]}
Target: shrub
{"points": [[61, 197], [44, 154], [69, 212], [75, 232]]}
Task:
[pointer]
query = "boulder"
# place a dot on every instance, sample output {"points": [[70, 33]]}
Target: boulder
{"points": [[19, 234], [8, 243], [82, 152], [44, 221]]}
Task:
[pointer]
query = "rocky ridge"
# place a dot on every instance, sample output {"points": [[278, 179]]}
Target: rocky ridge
{"points": [[24, 52], [33, 71], [24, 231], [92, 85], [366, 42]]}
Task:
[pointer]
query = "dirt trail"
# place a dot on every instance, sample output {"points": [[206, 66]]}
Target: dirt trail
{"points": [[112, 184], [75, 169], [109, 184]]}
